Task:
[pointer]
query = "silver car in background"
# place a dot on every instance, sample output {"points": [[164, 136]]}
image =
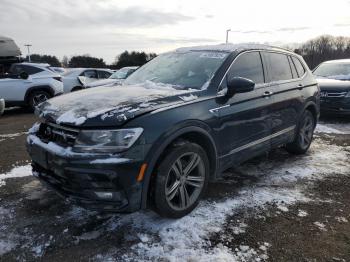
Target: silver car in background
{"points": [[116, 78]]}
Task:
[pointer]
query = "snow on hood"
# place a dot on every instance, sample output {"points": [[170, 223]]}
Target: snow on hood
{"points": [[121, 102], [105, 82], [336, 77]]}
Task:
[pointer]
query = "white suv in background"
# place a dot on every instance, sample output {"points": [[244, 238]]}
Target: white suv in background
{"points": [[78, 78], [29, 84]]}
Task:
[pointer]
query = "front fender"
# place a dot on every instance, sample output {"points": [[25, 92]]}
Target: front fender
{"points": [[164, 141]]}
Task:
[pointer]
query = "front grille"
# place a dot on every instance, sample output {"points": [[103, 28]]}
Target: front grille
{"points": [[333, 94], [61, 135]]}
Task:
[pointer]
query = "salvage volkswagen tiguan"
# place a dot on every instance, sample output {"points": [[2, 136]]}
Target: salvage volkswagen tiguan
{"points": [[173, 126]]}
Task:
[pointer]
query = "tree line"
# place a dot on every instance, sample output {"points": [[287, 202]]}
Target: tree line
{"points": [[323, 48], [126, 58], [314, 51]]}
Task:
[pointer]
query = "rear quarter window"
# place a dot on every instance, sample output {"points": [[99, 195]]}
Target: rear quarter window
{"points": [[300, 68], [279, 68]]}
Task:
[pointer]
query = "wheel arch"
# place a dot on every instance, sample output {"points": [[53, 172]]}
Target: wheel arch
{"points": [[196, 134], [312, 107], [45, 88]]}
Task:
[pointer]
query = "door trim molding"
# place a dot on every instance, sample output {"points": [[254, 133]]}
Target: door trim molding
{"points": [[259, 141]]}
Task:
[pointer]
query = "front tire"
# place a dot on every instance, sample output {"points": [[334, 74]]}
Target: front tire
{"points": [[37, 97], [182, 178], [304, 135]]}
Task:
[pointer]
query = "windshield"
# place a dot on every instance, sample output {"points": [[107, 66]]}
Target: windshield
{"points": [[339, 71], [120, 74], [182, 70]]}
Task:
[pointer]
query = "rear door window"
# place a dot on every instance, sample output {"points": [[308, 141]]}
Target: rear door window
{"points": [[279, 68], [30, 70], [299, 66], [248, 65], [90, 74], [103, 74]]}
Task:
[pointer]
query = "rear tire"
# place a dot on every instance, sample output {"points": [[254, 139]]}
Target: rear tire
{"points": [[37, 97], [181, 179], [304, 134]]}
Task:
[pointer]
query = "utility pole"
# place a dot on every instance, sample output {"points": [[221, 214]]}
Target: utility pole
{"points": [[28, 48], [227, 31]]}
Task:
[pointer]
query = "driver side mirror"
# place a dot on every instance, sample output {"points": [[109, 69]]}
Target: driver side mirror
{"points": [[239, 85], [23, 75]]}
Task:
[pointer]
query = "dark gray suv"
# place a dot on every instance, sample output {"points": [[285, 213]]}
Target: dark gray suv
{"points": [[173, 126]]}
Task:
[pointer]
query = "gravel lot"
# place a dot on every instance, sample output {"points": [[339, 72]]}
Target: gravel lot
{"points": [[277, 207]]}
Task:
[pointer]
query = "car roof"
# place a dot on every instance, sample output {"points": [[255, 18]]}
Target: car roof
{"points": [[229, 48], [337, 61], [34, 64]]}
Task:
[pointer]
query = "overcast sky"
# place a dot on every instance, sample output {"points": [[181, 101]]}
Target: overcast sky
{"points": [[105, 28]]}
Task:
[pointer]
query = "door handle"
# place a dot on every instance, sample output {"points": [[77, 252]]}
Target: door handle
{"points": [[267, 94], [300, 86]]}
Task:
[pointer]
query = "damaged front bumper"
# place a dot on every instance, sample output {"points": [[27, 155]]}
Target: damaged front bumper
{"points": [[97, 182]]}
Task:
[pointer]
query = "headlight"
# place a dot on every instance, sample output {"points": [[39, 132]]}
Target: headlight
{"points": [[106, 141], [348, 94]]}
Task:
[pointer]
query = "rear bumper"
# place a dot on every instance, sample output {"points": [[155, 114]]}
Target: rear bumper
{"points": [[97, 186]]}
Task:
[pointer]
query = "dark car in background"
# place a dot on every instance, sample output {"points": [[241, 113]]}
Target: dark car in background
{"points": [[174, 125], [334, 81]]}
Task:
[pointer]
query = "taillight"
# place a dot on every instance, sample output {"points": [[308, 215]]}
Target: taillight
{"points": [[58, 78]]}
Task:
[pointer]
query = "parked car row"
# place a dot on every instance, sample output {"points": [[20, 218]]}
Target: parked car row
{"points": [[29, 84]]}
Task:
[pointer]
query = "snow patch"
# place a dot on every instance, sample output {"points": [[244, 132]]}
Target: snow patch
{"points": [[20, 171], [302, 213], [4, 137], [333, 128], [342, 219], [320, 226], [71, 117], [189, 98]]}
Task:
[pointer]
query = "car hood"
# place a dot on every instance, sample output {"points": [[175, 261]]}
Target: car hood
{"points": [[105, 82], [333, 84], [111, 106]]}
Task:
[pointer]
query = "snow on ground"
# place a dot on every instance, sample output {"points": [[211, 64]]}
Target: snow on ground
{"points": [[4, 137], [20, 171], [186, 239], [281, 182], [333, 128]]}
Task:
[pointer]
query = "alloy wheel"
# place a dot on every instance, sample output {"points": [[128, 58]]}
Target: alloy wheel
{"points": [[185, 181], [39, 98], [306, 131]]}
